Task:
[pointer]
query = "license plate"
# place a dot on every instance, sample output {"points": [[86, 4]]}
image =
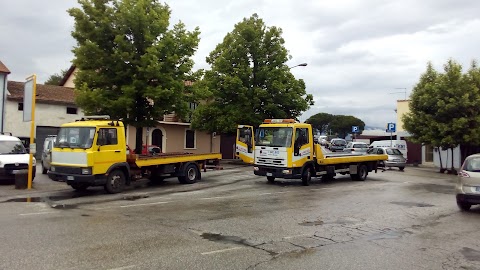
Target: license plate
{"points": [[478, 189], [70, 177], [269, 174]]}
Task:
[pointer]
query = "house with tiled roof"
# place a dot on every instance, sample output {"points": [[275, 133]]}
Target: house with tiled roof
{"points": [[55, 105], [170, 133]]}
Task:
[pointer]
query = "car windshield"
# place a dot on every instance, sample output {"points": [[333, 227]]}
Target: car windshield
{"points": [[393, 152], [75, 137], [360, 145], [12, 147], [472, 165], [274, 136], [339, 142]]}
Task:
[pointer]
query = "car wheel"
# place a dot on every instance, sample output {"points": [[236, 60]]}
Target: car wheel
{"points": [[464, 206], [115, 181], [44, 170], [401, 168]]}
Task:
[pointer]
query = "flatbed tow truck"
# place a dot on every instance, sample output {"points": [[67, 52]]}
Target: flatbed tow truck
{"points": [[93, 152], [283, 148]]}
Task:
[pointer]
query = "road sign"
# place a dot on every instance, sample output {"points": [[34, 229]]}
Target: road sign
{"points": [[28, 99], [391, 127], [355, 129]]}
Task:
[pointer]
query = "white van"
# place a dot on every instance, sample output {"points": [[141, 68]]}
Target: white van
{"points": [[13, 157], [399, 144]]}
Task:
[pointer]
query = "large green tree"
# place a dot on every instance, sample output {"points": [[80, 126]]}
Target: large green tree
{"points": [[132, 64], [444, 108], [320, 121], [56, 78], [342, 124], [249, 80]]}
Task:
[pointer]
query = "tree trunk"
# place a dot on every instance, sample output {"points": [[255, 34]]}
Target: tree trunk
{"points": [[453, 171], [138, 140], [440, 157]]}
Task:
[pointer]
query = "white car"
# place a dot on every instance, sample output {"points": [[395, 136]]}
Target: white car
{"points": [[13, 157]]}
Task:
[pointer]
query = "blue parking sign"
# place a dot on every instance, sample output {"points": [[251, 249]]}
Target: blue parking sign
{"points": [[391, 127], [355, 129]]}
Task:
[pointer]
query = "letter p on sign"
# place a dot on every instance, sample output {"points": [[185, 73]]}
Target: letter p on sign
{"points": [[391, 127]]}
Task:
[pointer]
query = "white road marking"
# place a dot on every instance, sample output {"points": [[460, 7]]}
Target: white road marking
{"points": [[268, 193], [213, 198], [37, 213], [143, 204], [220, 250], [123, 267]]}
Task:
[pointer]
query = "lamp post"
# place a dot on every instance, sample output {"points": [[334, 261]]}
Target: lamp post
{"points": [[299, 65]]}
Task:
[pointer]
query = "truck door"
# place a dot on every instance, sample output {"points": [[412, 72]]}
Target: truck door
{"points": [[244, 145], [302, 147]]}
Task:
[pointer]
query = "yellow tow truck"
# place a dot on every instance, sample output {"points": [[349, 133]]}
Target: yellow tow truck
{"points": [[93, 152], [283, 148]]}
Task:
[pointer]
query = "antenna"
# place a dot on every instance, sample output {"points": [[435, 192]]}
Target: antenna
{"points": [[404, 91]]}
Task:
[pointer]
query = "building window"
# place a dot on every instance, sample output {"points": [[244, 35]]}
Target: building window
{"points": [[193, 106], [189, 139], [20, 106], [71, 110]]}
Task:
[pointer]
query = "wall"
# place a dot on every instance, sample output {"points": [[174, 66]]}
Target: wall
{"points": [[45, 115], [69, 81], [447, 163], [174, 139], [402, 108]]}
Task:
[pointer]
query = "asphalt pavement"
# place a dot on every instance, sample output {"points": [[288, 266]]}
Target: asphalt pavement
{"points": [[233, 219]]}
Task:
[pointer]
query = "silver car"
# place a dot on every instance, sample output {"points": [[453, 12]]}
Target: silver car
{"points": [[395, 157], [468, 184], [356, 147], [47, 153]]}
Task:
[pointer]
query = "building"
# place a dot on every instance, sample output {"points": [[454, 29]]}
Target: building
{"points": [[170, 133]]}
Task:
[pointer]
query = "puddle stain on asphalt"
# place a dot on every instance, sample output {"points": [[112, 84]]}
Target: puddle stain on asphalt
{"points": [[470, 254], [413, 204]]}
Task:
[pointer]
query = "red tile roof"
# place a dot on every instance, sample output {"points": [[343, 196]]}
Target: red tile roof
{"points": [[3, 68], [51, 94]]}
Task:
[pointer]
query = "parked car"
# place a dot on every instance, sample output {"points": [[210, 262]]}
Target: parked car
{"points": [[468, 184], [47, 153], [395, 157], [13, 157], [337, 144], [356, 147]]}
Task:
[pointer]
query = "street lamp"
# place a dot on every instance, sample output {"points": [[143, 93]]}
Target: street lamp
{"points": [[299, 65]]}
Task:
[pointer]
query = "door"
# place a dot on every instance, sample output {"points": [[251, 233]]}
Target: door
{"points": [[302, 147], [157, 138], [107, 150], [244, 144]]}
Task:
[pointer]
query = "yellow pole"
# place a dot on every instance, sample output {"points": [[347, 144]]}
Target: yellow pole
{"points": [[32, 131]]}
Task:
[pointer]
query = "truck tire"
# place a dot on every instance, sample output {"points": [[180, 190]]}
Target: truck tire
{"points": [[306, 177], [79, 186], [191, 174], [463, 206], [270, 179], [44, 170], [362, 173], [115, 181]]}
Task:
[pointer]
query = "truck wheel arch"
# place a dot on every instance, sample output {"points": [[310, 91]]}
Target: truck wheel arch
{"points": [[308, 166], [123, 166]]}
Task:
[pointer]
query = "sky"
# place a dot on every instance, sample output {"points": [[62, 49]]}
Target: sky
{"points": [[362, 56]]}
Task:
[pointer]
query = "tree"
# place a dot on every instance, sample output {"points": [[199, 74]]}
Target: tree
{"points": [[249, 80], [444, 108], [131, 64], [56, 78], [320, 121], [342, 124]]}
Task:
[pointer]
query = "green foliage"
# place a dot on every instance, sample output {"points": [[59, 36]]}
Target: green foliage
{"points": [[132, 65], [336, 124], [444, 107], [56, 78], [320, 121], [249, 80]]}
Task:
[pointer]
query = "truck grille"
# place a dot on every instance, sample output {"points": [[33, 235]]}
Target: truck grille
{"points": [[271, 161], [68, 170], [20, 166]]}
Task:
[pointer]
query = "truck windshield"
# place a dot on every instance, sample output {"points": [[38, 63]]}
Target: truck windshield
{"points": [[274, 136], [12, 147], [75, 137]]}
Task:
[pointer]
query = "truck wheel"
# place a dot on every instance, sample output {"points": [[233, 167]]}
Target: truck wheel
{"points": [[191, 174], [115, 182], [362, 173], [79, 186], [44, 170], [271, 179], [306, 177]]}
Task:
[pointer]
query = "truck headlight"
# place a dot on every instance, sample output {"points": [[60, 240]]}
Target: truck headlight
{"points": [[86, 170], [255, 168], [287, 171], [52, 168]]}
